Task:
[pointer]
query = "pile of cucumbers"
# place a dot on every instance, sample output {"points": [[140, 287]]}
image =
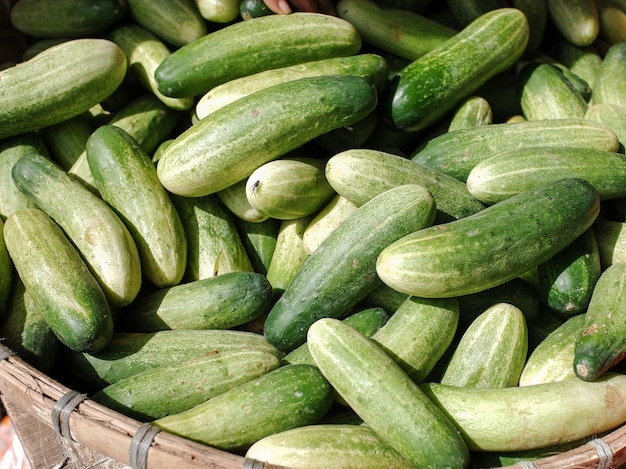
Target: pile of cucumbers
{"points": [[394, 237]]}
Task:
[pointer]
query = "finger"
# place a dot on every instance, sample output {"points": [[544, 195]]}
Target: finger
{"points": [[280, 7]]}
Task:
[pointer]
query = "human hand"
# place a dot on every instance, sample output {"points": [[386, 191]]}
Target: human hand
{"points": [[315, 6]]}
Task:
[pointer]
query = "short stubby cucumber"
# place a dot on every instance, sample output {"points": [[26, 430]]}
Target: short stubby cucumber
{"points": [[229, 144], [493, 246]]}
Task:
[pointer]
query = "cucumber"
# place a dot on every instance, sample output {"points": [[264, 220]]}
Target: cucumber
{"points": [[429, 88], [456, 153], [224, 54], [219, 11], [289, 188], [537, 13], [342, 270], [317, 446], [325, 221], [403, 33], [71, 18], [511, 172], [583, 61], [611, 115], [62, 287], [219, 302], [176, 387], [611, 239], [610, 84], [235, 200], [359, 174], [351, 136], [249, 9], [471, 112], [491, 352], [6, 275], [369, 66], [553, 358], [506, 239], [66, 140], [577, 20], [567, 280], [79, 74], [126, 180], [384, 396], [601, 344], [259, 241], [40, 45], [288, 397], [467, 11], [202, 159], [93, 227], [530, 417], [612, 17]]}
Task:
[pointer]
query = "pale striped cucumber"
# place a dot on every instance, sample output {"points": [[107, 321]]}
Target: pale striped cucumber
{"points": [[611, 239], [611, 115], [234, 199], [325, 221], [471, 112], [576, 20], [610, 83]]}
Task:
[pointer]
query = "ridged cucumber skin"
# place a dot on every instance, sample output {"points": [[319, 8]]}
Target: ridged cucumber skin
{"points": [[456, 153], [567, 280], [387, 400], [546, 93], [177, 22], [473, 111], [62, 287], [176, 387], [491, 419], [577, 21], [145, 52], [289, 188], [400, 32], [220, 302], [71, 18], [325, 221], [66, 140], [6, 274], [610, 83], [509, 173], [127, 181], [602, 343], [611, 115], [491, 352], [287, 397], [274, 41], [359, 174], [338, 445], [552, 359], [433, 262], [213, 242], [369, 66], [223, 148], [129, 353], [259, 241], [78, 74], [418, 333], [429, 88], [93, 227], [343, 268]]}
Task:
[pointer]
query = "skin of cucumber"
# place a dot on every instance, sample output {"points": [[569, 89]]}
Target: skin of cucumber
{"points": [[259, 241], [6, 274], [98, 233], [434, 262], [234, 199], [59, 83], [325, 221], [219, 11], [577, 21], [342, 269], [274, 41], [429, 88], [472, 112], [387, 400], [610, 84], [287, 397], [202, 160], [62, 287], [491, 419], [66, 140], [456, 153], [611, 115]]}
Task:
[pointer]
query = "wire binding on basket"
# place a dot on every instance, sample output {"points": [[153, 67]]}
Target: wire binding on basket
{"points": [[62, 410], [140, 445], [605, 452], [5, 352]]}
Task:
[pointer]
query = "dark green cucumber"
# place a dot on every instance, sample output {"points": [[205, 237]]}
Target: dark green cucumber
{"points": [[220, 302], [62, 287], [274, 41], [287, 397], [577, 21], [223, 148], [259, 241], [127, 181], [430, 87], [176, 387], [249, 9], [79, 74], [537, 13], [602, 342], [467, 11], [384, 396], [493, 246], [66, 140], [342, 269]]}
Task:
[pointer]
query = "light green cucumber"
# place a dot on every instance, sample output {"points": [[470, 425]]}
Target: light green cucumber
{"points": [[59, 83], [384, 396], [506, 239], [127, 181], [177, 387], [274, 41], [343, 268], [611, 239], [583, 61], [219, 11], [577, 20], [223, 148], [259, 240], [491, 352], [66, 140], [288, 397], [62, 287], [610, 83], [234, 199], [471, 112], [325, 221], [611, 115]]}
